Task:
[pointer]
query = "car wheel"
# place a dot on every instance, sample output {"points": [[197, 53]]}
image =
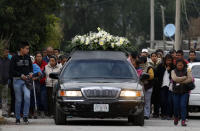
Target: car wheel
{"points": [[137, 120], [60, 117]]}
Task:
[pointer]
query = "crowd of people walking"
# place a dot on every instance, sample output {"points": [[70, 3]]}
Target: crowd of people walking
{"points": [[169, 84], [166, 90]]}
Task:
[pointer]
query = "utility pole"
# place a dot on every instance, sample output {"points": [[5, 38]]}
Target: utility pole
{"points": [[152, 25], [163, 20], [177, 20]]}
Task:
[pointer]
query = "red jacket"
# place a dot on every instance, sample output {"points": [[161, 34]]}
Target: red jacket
{"points": [[42, 67]]}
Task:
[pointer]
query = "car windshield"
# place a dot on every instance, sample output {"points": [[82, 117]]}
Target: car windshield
{"points": [[196, 71], [100, 69]]}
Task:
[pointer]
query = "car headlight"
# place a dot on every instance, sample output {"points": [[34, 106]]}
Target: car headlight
{"points": [[130, 93], [70, 93]]}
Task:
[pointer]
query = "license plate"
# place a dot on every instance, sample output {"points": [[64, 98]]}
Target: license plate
{"points": [[101, 108]]}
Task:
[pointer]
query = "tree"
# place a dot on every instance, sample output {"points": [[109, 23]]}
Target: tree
{"points": [[27, 20]]}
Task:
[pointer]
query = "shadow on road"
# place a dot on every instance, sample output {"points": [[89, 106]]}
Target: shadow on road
{"points": [[102, 122]]}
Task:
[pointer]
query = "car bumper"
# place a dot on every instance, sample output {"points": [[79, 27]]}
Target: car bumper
{"points": [[194, 100], [85, 108]]}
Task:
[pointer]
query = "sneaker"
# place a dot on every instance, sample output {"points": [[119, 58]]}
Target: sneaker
{"points": [[155, 115], [12, 114], [17, 121], [42, 114], [26, 120], [35, 117], [163, 118], [175, 121], [183, 123], [169, 118], [146, 117]]}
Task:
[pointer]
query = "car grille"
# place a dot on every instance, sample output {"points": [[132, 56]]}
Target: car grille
{"points": [[101, 92]]}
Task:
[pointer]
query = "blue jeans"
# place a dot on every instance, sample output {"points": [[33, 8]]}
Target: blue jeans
{"points": [[21, 90], [180, 105], [147, 106], [43, 98]]}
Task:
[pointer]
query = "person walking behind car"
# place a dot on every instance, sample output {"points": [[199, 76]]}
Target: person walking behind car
{"points": [[21, 69], [147, 84], [43, 107], [180, 55], [49, 54], [192, 56], [173, 54], [63, 59], [4, 81], [154, 62], [181, 77], [164, 83], [35, 92], [52, 66]]}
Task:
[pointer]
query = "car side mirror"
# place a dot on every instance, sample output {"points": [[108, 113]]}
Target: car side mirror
{"points": [[54, 75], [144, 76]]}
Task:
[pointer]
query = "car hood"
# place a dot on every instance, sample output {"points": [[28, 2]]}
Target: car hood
{"points": [[197, 87], [77, 86]]}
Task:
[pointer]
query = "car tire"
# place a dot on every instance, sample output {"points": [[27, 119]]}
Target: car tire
{"points": [[137, 120], [60, 117]]}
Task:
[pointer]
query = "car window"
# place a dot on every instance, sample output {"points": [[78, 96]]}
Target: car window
{"points": [[107, 69], [196, 71]]}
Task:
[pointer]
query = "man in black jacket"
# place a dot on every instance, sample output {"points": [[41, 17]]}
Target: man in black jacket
{"points": [[21, 69], [4, 78]]}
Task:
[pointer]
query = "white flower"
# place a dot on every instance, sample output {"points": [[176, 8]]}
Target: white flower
{"points": [[102, 38], [99, 29], [87, 41], [121, 41], [82, 40], [95, 40], [113, 45], [101, 41], [118, 43]]}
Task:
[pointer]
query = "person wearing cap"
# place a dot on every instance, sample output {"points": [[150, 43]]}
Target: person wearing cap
{"points": [[144, 52]]}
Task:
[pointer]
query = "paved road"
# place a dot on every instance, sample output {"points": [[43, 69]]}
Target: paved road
{"points": [[77, 124]]}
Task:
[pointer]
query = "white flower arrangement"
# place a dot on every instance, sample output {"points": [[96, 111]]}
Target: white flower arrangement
{"points": [[101, 40]]}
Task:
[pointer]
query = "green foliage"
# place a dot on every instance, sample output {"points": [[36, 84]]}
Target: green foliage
{"points": [[119, 17], [128, 18], [27, 20]]}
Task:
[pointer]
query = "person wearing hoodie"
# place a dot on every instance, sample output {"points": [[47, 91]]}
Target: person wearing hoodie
{"points": [[43, 107], [4, 81], [154, 62], [52, 66], [181, 77]]}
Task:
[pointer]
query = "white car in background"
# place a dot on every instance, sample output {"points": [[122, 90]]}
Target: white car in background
{"points": [[194, 100]]}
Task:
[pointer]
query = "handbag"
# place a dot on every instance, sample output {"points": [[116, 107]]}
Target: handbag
{"points": [[190, 86]]}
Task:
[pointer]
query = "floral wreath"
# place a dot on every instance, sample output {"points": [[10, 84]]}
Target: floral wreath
{"points": [[101, 40]]}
